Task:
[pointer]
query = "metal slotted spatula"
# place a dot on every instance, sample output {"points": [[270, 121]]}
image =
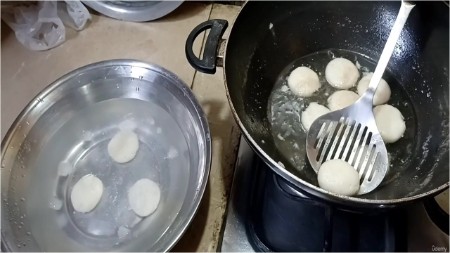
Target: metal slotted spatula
{"points": [[351, 134]]}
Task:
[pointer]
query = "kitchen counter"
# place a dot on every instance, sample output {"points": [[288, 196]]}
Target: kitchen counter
{"points": [[25, 73]]}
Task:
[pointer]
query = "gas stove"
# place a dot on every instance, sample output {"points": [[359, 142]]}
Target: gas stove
{"points": [[265, 213]]}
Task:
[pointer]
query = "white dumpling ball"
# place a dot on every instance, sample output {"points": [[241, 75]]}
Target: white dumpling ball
{"points": [[339, 177], [311, 113], [144, 197], [341, 98], [390, 122], [341, 73], [86, 193], [123, 147], [382, 94], [303, 82]]}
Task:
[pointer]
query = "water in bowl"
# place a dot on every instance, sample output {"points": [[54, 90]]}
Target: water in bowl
{"points": [[78, 148]]}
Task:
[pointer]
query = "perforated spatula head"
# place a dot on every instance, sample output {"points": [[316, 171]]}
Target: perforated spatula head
{"points": [[351, 134]]}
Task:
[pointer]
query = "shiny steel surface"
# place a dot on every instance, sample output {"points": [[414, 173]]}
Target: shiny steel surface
{"points": [[33, 146], [137, 11]]}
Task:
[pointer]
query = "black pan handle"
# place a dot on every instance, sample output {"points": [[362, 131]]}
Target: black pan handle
{"points": [[208, 63]]}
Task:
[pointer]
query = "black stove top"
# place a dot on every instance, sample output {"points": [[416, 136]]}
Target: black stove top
{"points": [[266, 213]]}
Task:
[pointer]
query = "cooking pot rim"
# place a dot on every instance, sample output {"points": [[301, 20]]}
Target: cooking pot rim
{"points": [[302, 184]]}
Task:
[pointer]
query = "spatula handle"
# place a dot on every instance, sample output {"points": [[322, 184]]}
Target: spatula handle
{"points": [[388, 49]]}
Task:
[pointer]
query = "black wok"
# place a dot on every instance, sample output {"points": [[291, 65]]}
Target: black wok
{"points": [[268, 37]]}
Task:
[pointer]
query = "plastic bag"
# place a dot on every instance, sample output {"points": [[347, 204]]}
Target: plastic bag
{"points": [[73, 14], [41, 27]]}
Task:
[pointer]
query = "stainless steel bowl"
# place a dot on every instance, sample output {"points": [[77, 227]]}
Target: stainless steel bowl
{"points": [[136, 11], [62, 135]]}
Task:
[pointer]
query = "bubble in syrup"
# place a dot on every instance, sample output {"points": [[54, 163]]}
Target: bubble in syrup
{"points": [[122, 232], [284, 88], [56, 204], [127, 125], [172, 153], [64, 168]]}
